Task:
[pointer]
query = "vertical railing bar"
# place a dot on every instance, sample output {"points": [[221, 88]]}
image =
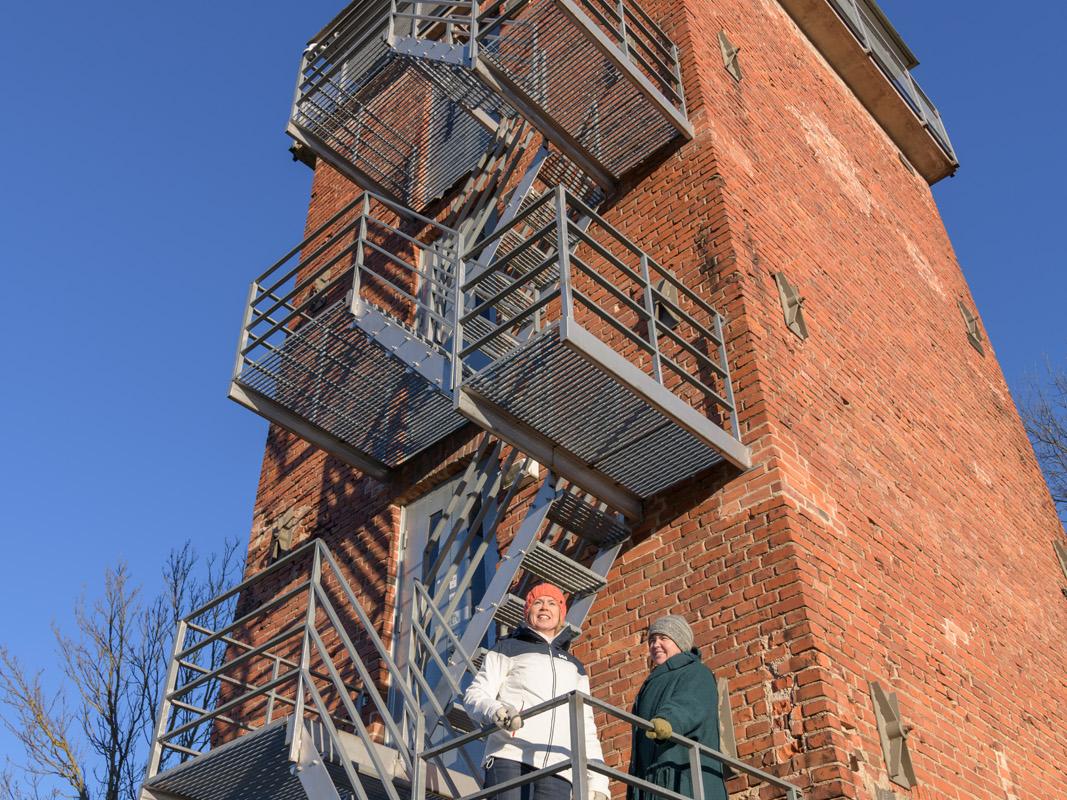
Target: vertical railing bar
{"points": [[457, 328], [390, 32], [678, 78], [695, 771], [418, 778], [729, 384], [355, 304], [579, 758], [653, 333], [472, 44], [273, 694], [164, 707], [562, 247], [622, 29], [305, 656], [346, 764], [242, 339]]}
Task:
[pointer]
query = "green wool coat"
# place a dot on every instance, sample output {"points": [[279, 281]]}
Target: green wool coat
{"points": [[683, 692]]}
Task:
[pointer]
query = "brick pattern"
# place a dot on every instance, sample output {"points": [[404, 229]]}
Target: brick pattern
{"points": [[895, 526]]}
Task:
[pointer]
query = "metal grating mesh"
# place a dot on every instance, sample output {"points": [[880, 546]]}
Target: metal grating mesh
{"points": [[510, 612], [589, 522], [570, 576], [588, 412], [252, 767], [338, 379], [405, 126], [558, 67]]}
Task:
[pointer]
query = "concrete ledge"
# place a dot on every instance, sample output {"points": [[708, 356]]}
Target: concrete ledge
{"points": [[839, 46]]}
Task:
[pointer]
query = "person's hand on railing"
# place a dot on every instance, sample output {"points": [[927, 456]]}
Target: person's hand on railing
{"points": [[599, 796], [661, 729], [507, 718]]}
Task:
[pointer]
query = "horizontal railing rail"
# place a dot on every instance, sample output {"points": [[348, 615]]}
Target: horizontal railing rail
{"points": [[373, 251], [548, 270], [580, 764], [291, 672]]}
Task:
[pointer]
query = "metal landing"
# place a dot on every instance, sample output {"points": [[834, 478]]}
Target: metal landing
{"points": [[580, 406], [335, 386], [256, 766]]}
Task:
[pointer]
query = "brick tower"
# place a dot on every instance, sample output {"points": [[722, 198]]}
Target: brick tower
{"points": [[651, 300]]}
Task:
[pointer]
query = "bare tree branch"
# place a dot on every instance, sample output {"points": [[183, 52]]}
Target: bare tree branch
{"points": [[92, 736], [1044, 412], [41, 725]]}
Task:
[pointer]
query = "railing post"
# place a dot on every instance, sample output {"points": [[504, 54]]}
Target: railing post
{"points": [[472, 46], [457, 324], [273, 694], [242, 339], [622, 29], [356, 305], [163, 719], [562, 245], [579, 758], [698, 776], [298, 91], [650, 309], [728, 388], [390, 31], [678, 78], [418, 780], [305, 656]]}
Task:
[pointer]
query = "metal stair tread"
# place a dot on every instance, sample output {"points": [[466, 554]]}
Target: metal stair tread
{"points": [[497, 347], [584, 519], [566, 573]]}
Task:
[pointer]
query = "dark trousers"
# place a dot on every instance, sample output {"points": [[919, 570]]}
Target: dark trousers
{"points": [[498, 770]]}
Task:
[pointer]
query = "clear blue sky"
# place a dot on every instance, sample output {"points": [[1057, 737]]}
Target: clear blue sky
{"points": [[146, 181]]}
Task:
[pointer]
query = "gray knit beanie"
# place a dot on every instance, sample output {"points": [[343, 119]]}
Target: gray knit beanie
{"points": [[676, 628]]}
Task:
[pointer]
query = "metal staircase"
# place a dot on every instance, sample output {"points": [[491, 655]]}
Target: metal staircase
{"points": [[312, 700], [600, 80]]}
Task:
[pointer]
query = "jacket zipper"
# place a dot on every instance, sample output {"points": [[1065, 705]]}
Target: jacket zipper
{"points": [[552, 719]]}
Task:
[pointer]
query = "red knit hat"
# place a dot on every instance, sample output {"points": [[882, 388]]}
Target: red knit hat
{"points": [[547, 590]]}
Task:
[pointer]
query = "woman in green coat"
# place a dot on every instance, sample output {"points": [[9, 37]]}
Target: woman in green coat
{"points": [[678, 696]]}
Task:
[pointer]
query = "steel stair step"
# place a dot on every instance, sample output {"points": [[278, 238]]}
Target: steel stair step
{"points": [[566, 573], [511, 305], [586, 520], [509, 611], [458, 719], [497, 347]]}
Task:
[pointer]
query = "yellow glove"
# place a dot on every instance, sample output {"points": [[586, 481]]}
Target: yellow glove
{"points": [[661, 729]]}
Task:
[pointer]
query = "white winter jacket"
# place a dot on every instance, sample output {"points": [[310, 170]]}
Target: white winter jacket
{"points": [[523, 671]]}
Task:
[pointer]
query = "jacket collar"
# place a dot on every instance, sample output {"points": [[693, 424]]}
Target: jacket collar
{"points": [[525, 633], [677, 661]]}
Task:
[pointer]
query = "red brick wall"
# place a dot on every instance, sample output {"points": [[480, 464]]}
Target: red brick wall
{"points": [[894, 527]]}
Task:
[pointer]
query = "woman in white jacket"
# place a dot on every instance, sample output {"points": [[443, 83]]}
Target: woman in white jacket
{"points": [[523, 670]]}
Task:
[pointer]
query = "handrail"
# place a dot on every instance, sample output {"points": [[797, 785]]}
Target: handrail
{"points": [[631, 290], [580, 764], [180, 718]]}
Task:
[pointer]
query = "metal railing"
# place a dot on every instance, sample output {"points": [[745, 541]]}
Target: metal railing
{"points": [[876, 41], [278, 664], [579, 763], [555, 268], [372, 251], [643, 42], [468, 22]]}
